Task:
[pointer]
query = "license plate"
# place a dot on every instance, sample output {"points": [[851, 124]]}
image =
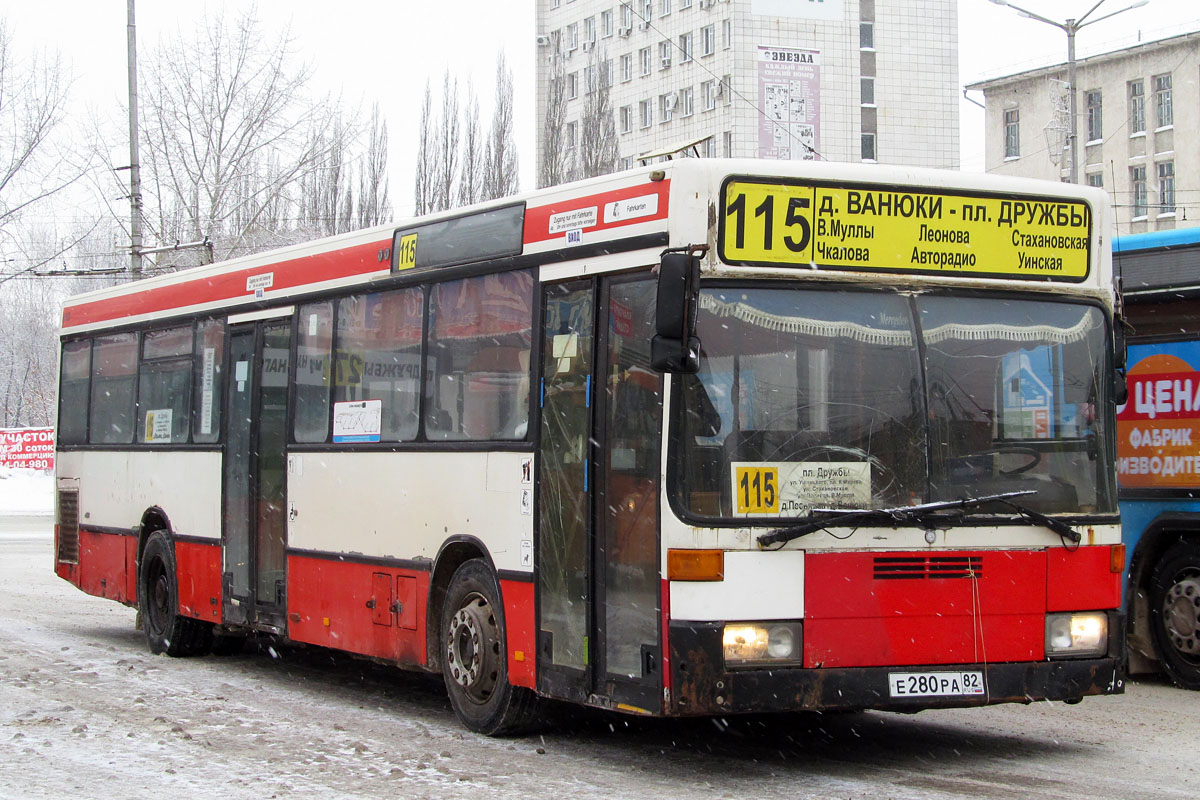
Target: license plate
{"points": [[934, 684]]}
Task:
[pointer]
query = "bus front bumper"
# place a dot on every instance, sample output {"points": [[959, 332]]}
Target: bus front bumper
{"points": [[701, 685]]}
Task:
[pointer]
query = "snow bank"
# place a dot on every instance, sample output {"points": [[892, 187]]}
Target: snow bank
{"points": [[26, 491]]}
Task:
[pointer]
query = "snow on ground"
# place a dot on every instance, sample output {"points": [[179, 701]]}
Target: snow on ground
{"points": [[26, 491]]}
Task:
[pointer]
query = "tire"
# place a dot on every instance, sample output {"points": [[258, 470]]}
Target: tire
{"points": [[1175, 613], [474, 656], [167, 631]]}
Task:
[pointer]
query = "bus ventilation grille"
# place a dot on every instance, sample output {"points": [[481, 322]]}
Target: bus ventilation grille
{"points": [[924, 567], [68, 525]]}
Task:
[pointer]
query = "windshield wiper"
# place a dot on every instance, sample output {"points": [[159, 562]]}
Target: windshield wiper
{"points": [[918, 514], [1038, 518]]}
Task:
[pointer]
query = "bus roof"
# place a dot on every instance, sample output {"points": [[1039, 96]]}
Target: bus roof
{"points": [[1154, 240]]}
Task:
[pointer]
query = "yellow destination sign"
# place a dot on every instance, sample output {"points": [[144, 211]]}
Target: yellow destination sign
{"points": [[899, 230]]}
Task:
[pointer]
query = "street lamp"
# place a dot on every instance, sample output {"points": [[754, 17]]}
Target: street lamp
{"points": [[1070, 27]]}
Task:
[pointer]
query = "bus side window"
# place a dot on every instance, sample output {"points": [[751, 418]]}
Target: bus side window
{"points": [[114, 375], [379, 356], [208, 390], [165, 386], [480, 334], [313, 371], [73, 395]]}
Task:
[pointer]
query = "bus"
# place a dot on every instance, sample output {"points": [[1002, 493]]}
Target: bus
{"points": [[1159, 473], [705, 437]]}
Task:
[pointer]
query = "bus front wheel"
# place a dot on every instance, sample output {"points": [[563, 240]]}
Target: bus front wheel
{"points": [[167, 631], [1175, 611], [474, 659]]}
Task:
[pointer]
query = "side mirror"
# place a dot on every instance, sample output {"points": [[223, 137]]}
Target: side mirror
{"points": [[1120, 348], [1120, 387], [675, 348]]}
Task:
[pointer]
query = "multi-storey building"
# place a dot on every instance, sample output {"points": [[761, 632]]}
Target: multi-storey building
{"points": [[1137, 111], [841, 80]]}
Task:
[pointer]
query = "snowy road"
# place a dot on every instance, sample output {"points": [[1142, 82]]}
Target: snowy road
{"points": [[87, 712]]}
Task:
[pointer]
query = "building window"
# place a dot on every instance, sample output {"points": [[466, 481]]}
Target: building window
{"points": [[627, 16], [666, 106], [569, 136], [664, 8], [726, 34], [685, 3], [1166, 187], [868, 147], [647, 12], [1137, 107], [1162, 100], [686, 103], [626, 119], [1095, 119], [1137, 179], [708, 40], [868, 91], [606, 23], [572, 36], [710, 95], [644, 58], [589, 30], [728, 136], [572, 85], [646, 109], [685, 45], [725, 89], [710, 147], [866, 35], [664, 55], [627, 67], [1096, 179], [1012, 133]]}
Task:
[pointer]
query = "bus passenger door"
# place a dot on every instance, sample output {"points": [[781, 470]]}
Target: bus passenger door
{"points": [[255, 476], [563, 497], [597, 495]]}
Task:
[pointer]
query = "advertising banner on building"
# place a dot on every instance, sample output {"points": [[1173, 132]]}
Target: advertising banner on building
{"points": [[1158, 429], [789, 94], [27, 448]]}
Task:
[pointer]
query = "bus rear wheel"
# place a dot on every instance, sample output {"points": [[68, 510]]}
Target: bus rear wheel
{"points": [[167, 631], [1175, 611], [474, 658]]}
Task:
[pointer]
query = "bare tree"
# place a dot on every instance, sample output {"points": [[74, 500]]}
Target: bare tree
{"points": [[556, 164], [447, 175], [34, 168], [471, 175], [227, 136], [598, 151], [500, 160], [427, 158], [374, 207]]}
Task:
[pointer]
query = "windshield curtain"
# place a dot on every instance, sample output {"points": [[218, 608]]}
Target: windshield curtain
{"points": [[812, 399]]}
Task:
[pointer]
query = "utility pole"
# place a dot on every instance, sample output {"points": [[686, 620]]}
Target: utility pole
{"points": [[135, 172], [1070, 27]]}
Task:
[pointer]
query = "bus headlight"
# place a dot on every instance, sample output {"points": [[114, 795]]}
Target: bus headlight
{"points": [[1077, 634], [748, 644]]}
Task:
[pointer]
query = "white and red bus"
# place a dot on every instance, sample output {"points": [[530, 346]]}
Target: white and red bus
{"points": [[700, 438]]}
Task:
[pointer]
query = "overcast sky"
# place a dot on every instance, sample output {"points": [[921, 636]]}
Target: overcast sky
{"points": [[373, 50]]}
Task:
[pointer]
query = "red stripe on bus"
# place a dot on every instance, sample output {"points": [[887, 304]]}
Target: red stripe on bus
{"points": [[537, 218], [229, 286]]}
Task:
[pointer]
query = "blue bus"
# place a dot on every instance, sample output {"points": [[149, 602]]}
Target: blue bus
{"points": [[1158, 435]]}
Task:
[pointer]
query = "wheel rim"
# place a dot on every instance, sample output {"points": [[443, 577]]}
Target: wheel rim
{"points": [[159, 605], [1181, 615], [473, 648]]}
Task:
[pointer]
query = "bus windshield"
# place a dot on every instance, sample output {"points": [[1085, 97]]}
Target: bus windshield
{"points": [[825, 399]]}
